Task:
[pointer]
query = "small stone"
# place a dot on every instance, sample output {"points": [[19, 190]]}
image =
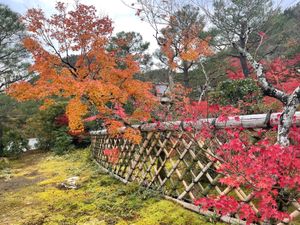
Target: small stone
{"points": [[70, 183]]}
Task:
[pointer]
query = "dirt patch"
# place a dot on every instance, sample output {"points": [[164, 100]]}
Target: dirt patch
{"points": [[18, 182], [33, 173]]}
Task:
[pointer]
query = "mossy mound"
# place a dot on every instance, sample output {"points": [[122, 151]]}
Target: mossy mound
{"points": [[31, 196]]}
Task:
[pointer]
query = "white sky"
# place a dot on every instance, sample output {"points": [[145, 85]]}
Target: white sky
{"points": [[124, 17]]}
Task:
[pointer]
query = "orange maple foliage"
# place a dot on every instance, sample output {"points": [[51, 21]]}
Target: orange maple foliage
{"points": [[70, 57], [183, 44]]}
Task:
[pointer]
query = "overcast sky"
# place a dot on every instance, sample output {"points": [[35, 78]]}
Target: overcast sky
{"points": [[124, 17]]}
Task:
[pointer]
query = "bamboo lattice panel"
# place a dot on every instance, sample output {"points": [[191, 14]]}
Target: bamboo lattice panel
{"points": [[171, 162]]}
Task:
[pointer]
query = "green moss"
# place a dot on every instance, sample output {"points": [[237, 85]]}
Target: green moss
{"points": [[166, 212], [101, 199], [4, 163]]}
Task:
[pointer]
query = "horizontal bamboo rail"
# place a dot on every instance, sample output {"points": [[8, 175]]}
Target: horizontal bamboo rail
{"points": [[246, 121], [170, 160]]}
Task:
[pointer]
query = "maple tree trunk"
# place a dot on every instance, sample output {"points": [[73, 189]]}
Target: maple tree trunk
{"points": [[291, 102]]}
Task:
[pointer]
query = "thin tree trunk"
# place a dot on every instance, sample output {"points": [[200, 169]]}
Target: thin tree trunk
{"points": [[171, 80], [186, 77], [243, 43], [1, 142], [205, 86], [243, 62]]}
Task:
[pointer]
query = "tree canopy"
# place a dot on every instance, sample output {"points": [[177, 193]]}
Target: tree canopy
{"points": [[96, 80], [12, 52], [180, 41], [124, 43]]}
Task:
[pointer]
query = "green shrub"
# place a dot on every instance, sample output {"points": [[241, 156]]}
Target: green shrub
{"points": [[50, 127], [62, 141], [14, 144], [237, 93], [43, 126]]}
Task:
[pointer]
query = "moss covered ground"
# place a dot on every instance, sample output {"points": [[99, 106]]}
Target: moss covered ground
{"points": [[29, 195]]}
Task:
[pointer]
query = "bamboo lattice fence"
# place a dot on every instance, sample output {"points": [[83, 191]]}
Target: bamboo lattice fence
{"points": [[171, 160]]}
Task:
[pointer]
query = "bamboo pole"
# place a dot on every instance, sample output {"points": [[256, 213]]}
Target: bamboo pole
{"points": [[246, 121], [194, 208]]}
